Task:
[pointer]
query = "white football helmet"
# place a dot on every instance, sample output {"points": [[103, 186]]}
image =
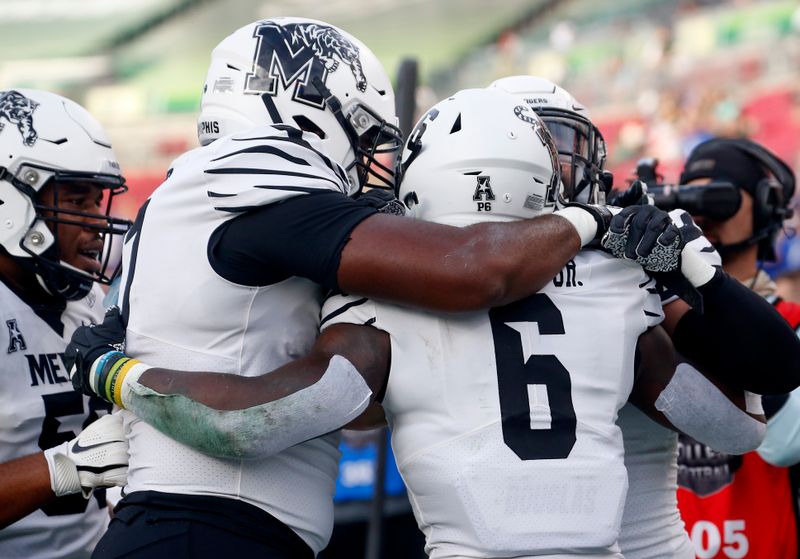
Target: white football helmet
{"points": [[581, 147], [309, 75], [48, 139], [480, 155]]}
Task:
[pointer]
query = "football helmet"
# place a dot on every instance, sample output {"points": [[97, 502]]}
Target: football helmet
{"points": [[581, 147], [480, 155], [48, 140], [309, 75]]}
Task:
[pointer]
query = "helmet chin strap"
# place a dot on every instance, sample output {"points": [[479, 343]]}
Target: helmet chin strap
{"points": [[57, 281]]}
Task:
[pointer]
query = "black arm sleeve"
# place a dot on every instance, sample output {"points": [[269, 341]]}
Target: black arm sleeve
{"points": [[302, 236], [741, 339]]}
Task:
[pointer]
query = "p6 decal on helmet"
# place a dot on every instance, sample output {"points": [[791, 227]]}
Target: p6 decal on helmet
{"points": [[309, 75], [471, 158]]}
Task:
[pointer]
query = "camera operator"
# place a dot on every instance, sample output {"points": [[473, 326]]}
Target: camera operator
{"points": [[743, 506]]}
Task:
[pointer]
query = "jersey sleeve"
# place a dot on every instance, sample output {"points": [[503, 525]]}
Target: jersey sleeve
{"points": [[266, 165], [284, 206], [303, 236]]}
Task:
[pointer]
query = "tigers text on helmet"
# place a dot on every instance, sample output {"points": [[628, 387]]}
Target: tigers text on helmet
{"points": [[480, 155], [310, 75], [581, 147], [48, 142]]}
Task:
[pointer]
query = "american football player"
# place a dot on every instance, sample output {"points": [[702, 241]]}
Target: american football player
{"points": [[58, 177], [474, 421], [227, 261], [247, 231], [652, 527]]}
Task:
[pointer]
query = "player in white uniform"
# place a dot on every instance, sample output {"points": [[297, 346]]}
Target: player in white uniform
{"points": [[214, 266], [651, 527], [58, 179], [508, 449], [539, 470], [651, 524]]}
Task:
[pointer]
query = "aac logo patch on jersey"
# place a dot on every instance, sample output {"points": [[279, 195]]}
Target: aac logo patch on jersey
{"points": [[297, 54], [15, 340], [484, 195]]}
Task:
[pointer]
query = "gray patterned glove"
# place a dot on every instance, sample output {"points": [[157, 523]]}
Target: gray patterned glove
{"points": [[646, 235]]}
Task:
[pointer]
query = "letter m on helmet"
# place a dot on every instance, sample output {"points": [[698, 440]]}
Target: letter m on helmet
{"points": [[292, 55]]}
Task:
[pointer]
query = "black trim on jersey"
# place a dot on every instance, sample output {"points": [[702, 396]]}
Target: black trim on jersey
{"points": [[291, 131], [212, 194], [295, 137], [252, 171], [302, 236], [136, 229], [653, 314], [342, 309], [305, 189], [269, 150]]}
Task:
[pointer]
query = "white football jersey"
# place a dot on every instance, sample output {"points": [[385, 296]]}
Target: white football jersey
{"points": [[503, 422], [38, 410], [183, 315], [652, 527]]}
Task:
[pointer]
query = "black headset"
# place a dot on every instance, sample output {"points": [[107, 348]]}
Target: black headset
{"points": [[771, 195]]}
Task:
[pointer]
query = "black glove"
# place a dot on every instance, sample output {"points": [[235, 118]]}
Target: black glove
{"points": [[383, 200], [646, 235], [635, 195], [699, 263], [90, 342]]}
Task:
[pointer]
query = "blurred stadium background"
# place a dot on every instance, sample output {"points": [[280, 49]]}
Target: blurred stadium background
{"points": [[658, 75]]}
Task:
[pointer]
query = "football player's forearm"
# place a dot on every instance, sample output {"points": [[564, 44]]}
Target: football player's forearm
{"points": [[24, 487], [698, 408], [741, 339], [676, 395], [445, 268], [235, 417]]}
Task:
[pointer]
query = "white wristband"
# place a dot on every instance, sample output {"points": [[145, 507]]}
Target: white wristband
{"points": [[583, 222], [131, 379], [695, 269]]}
